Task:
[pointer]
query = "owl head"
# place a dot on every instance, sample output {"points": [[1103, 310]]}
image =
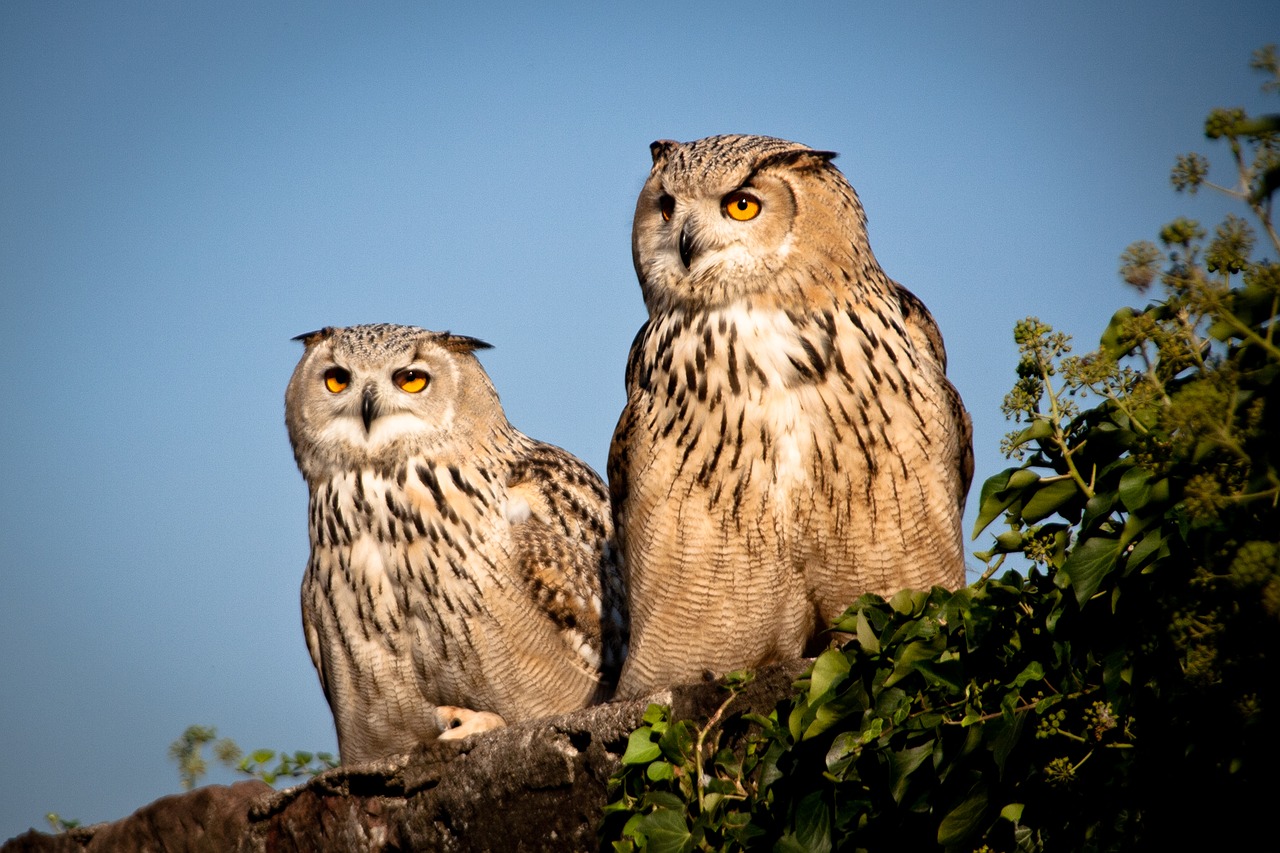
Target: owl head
{"points": [[370, 396], [728, 216]]}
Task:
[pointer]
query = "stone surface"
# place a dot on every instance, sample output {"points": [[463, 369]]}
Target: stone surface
{"points": [[533, 787], [209, 819]]}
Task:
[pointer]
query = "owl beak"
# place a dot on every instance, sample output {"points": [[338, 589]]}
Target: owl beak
{"points": [[368, 407], [686, 247]]}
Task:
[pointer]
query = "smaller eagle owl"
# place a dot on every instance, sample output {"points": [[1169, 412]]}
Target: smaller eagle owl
{"points": [[462, 575], [790, 439]]}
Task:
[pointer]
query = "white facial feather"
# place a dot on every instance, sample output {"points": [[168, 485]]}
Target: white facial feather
{"points": [[384, 432]]}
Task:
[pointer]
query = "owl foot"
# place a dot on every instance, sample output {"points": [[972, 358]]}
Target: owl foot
{"points": [[456, 723]]}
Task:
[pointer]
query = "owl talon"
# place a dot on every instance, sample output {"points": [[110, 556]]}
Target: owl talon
{"points": [[456, 723]]}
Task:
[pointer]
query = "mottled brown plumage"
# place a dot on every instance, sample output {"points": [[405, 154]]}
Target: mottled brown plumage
{"points": [[461, 573], [790, 439]]}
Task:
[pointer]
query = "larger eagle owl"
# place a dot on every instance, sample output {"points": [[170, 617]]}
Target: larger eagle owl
{"points": [[461, 573], [790, 439]]}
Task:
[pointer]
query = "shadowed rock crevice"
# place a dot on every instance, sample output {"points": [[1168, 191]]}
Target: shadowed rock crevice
{"points": [[533, 787]]}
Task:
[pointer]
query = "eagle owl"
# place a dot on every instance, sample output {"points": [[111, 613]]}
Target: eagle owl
{"points": [[790, 439], [462, 575]]}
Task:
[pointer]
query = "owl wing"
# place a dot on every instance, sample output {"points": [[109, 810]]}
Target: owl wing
{"points": [[637, 380], [565, 554], [921, 326], [927, 337], [312, 636], [966, 441]]}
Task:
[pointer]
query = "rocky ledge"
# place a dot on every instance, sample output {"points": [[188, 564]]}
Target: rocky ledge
{"points": [[531, 787]]}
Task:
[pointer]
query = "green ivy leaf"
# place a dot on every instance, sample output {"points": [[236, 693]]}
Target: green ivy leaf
{"points": [[1012, 812], [866, 636], [640, 747], [915, 652], [1005, 736], [1113, 334], [666, 831], [656, 715], [1045, 500], [947, 674], [909, 602], [664, 800], [1098, 507], [1031, 672], [962, 820], [999, 492], [1145, 549], [1039, 429], [1089, 562], [660, 771], [1009, 542], [902, 764], [828, 670], [676, 742], [1135, 489], [812, 833], [844, 749], [721, 786]]}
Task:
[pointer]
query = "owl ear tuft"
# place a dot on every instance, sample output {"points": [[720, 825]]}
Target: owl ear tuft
{"points": [[461, 343], [660, 148], [799, 157], [311, 338]]}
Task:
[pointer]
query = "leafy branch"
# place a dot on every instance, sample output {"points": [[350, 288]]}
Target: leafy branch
{"points": [[188, 752]]}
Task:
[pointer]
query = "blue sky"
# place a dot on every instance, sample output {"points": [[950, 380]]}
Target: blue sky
{"points": [[184, 187]]}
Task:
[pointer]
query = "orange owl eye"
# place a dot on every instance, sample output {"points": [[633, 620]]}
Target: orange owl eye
{"points": [[410, 381], [336, 379], [666, 206], [741, 206]]}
